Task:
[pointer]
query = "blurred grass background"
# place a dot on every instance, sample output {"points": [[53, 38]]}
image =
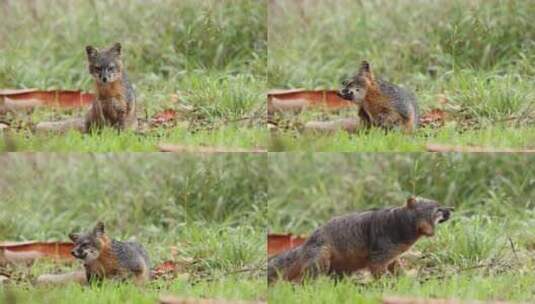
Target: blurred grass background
{"points": [[306, 189], [210, 209], [475, 55], [488, 240], [210, 54]]}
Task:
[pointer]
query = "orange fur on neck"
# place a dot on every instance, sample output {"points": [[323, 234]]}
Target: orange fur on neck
{"points": [[375, 102], [106, 264], [111, 90]]}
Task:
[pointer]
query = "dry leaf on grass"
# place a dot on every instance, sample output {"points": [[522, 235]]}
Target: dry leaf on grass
{"points": [[164, 116], [434, 118], [170, 269]]}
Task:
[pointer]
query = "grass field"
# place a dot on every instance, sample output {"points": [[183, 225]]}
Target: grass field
{"points": [[485, 252], [472, 59], [210, 54], [210, 209]]}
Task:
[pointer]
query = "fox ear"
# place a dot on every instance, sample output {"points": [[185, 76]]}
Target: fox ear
{"points": [[91, 51], [116, 49], [364, 67], [411, 202], [74, 236], [365, 70], [99, 229]]}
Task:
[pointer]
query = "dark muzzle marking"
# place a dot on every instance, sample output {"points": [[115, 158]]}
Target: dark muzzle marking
{"points": [[446, 212], [77, 254], [345, 94]]}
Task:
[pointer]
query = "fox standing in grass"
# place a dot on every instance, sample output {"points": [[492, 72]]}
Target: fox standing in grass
{"points": [[114, 103], [370, 240], [104, 257], [382, 104]]}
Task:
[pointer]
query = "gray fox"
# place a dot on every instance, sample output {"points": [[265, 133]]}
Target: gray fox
{"points": [[370, 240], [114, 102], [381, 104], [104, 257]]}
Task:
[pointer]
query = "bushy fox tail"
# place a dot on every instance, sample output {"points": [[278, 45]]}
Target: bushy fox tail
{"points": [[286, 265]]}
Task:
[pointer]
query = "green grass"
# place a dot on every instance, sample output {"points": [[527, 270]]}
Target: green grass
{"points": [[485, 249], [377, 141], [209, 53], [476, 56], [128, 293], [463, 286], [110, 141], [209, 210]]}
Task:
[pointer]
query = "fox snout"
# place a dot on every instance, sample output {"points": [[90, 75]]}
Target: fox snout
{"points": [[446, 213], [346, 94], [79, 254], [105, 77]]}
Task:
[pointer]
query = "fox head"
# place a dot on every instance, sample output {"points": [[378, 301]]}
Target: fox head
{"points": [[88, 245], [427, 213], [355, 89], [105, 66]]}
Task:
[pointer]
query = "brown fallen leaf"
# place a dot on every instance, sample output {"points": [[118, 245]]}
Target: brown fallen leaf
{"points": [[278, 243], [17, 100], [204, 149], [473, 149], [163, 117], [434, 118], [170, 269], [176, 300], [299, 99], [399, 300]]}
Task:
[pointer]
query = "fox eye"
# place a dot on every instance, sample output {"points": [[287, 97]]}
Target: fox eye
{"points": [[97, 68], [345, 83]]}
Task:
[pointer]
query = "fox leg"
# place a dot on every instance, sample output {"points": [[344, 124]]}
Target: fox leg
{"points": [[141, 277], [409, 123], [120, 109], [381, 258], [395, 267], [318, 263], [378, 269]]}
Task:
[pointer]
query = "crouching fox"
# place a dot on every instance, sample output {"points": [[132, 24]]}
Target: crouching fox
{"points": [[370, 240], [104, 257], [381, 103]]}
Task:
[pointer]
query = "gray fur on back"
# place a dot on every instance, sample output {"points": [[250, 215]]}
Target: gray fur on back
{"points": [[369, 228], [130, 94], [128, 253], [398, 94]]}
